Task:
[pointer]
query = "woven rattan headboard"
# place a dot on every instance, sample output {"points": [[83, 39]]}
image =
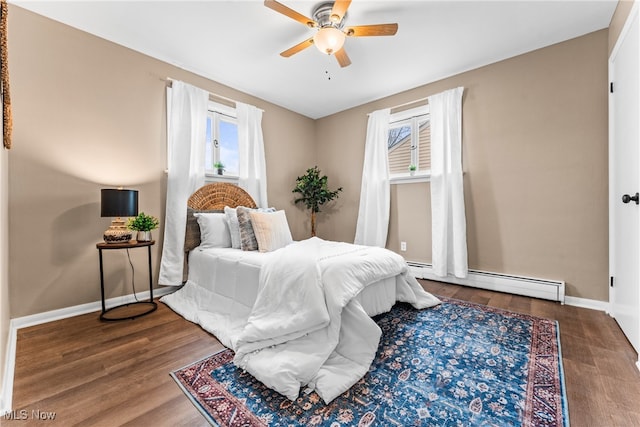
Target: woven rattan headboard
{"points": [[212, 198], [218, 195]]}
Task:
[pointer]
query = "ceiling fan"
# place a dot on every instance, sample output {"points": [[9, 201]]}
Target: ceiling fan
{"points": [[329, 20]]}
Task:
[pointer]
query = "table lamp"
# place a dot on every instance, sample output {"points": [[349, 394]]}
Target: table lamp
{"points": [[118, 203]]}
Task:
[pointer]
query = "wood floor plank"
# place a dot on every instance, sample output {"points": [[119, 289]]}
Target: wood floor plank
{"points": [[92, 373], [167, 416], [588, 405]]}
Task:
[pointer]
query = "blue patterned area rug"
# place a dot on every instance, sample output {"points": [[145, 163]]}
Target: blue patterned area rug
{"points": [[457, 364]]}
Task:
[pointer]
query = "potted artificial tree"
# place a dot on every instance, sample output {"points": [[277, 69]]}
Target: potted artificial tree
{"points": [[314, 193], [143, 224]]}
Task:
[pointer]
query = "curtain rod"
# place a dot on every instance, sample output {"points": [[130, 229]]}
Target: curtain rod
{"points": [[415, 101], [169, 80]]}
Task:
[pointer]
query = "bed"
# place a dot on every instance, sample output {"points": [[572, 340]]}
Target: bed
{"points": [[297, 314]]}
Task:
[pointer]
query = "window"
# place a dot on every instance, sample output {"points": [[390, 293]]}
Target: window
{"points": [[409, 143], [222, 141]]}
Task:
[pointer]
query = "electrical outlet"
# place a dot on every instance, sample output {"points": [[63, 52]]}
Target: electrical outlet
{"points": [[403, 246]]}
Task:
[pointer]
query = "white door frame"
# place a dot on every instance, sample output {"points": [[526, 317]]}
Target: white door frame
{"points": [[614, 199]]}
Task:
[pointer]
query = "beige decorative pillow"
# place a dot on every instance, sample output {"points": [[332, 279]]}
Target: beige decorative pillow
{"points": [[248, 240], [271, 230]]}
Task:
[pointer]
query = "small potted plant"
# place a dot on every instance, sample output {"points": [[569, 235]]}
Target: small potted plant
{"points": [[143, 224], [219, 166], [412, 169]]}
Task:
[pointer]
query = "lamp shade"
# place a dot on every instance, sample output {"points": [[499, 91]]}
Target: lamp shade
{"points": [[329, 40], [118, 202]]}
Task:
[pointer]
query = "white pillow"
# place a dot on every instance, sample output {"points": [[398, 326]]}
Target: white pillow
{"points": [[214, 231], [234, 228], [271, 230]]}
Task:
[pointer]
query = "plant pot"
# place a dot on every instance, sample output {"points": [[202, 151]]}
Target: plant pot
{"points": [[412, 173], [220, 171], [144, 236]]}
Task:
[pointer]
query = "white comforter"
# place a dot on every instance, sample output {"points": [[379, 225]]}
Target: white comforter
{"points": [[306, 329]]}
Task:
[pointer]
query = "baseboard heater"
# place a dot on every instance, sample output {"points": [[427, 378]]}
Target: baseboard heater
{"points": [[519, 285]]}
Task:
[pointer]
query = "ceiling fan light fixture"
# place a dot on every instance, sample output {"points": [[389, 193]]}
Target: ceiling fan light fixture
{"points": [[329, 40]]}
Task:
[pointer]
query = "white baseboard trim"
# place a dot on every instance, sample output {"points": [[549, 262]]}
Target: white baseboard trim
{"points": [[592, 304], [6, 398], [519, 285], [77, 310], [536, 288]]}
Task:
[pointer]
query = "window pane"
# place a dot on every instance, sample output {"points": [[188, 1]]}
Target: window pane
{"points": [[399, 143], [398, 135], [229, 147], [208, 148], [424, 146]]}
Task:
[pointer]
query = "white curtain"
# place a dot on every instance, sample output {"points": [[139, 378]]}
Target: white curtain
{"points": [[186, 132], [252, 166], [373, 215], [449, 234]]}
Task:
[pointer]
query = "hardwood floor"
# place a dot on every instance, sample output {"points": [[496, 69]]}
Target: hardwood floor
{"points": [[91, 373]]}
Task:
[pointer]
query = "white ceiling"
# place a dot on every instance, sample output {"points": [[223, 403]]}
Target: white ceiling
{"points": [[237, 43]]}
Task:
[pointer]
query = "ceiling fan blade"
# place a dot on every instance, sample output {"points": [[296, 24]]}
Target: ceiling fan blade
{"points": [[279, 7], [343, 58], [339, 10], [297, 48], [372, 30]]}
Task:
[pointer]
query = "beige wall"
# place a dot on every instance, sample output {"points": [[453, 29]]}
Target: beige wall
{"points": [[535, 163], [90, 114]]}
